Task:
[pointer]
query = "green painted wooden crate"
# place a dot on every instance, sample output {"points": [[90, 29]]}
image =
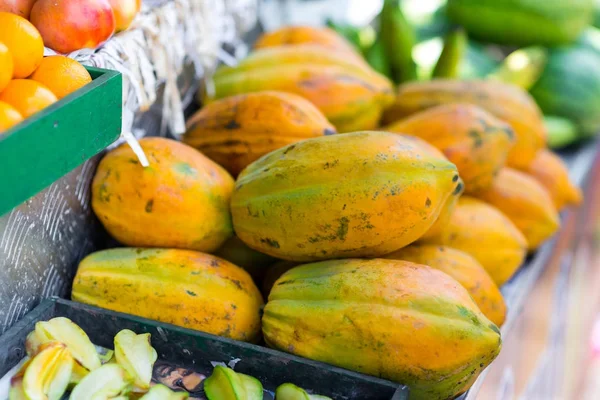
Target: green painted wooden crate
{"points": [[51, 143]]}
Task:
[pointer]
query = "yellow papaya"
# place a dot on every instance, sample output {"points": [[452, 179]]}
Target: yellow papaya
{"points": [[181, 287], [240, 129], [448, 207], [526, 203], [296, 35], [549, 170], [181, 200], [470, 137], [362, 194], [506, 102], [290, 55], [482, 231], [341, 90], [397, 320], [465, 269]]}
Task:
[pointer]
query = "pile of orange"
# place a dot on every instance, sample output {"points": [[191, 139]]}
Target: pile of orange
{"points": [[28, 81]]}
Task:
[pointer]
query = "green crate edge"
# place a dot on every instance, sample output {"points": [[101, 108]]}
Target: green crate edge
{"points": [[51, 143]]}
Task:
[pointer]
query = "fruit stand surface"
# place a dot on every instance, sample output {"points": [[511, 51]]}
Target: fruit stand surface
{"points": [[551, 303]]}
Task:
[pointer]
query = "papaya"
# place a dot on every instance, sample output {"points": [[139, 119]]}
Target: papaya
{"points": [[448, 207], [343, 91], [362, 194], [482, 231], [181, 287], [471, 138], [506, 102], [551, 172], [238, 253], [181, 200], [296, 35], [284, 55], [526, 203], [465, 269], [237, 130], [396, 320]]}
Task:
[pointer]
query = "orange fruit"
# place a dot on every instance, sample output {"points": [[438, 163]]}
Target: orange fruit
{"points": [[61, 75], [27, 96], [24, 43], [9, 116], [6, 66]]}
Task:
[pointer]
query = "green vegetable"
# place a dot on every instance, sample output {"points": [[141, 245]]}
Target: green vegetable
{"points": [[522, 67], [454, 51], [398, 38], [523, 22], [570, 87], [560, 132], [377, 58]]}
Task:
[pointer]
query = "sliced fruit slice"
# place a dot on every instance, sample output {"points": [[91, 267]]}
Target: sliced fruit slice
{"points": [[136, 354], [106, 382], [48, 374]]}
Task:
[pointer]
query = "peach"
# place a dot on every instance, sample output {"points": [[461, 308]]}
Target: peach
{"points": [[69, 25], [125, 12], [19, 7]]}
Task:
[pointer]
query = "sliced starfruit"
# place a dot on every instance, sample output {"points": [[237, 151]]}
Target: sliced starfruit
{"points": [[66, 331], [32, 343], [226, 384], [79, 372], [254, 389], [136, 354], [47, 376], [16, 391], [106, 356], [161, 392], [289, 391], [107, 382]]}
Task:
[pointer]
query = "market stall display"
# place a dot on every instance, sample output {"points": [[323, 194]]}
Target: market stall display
{"points": [[329, 200]]}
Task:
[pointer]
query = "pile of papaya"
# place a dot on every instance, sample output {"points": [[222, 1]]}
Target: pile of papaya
{"points": [[317, 207]]}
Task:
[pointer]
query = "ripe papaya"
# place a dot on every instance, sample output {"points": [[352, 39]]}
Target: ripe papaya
{"points": [[470, 137], [297, 35], [448, 207], [237, 130], [465, 269], [549, 170], [362, 194], [180, 287], [526, 203], [482, 231], [341, 89], [181, 200], [506, 102], [405, 322]]}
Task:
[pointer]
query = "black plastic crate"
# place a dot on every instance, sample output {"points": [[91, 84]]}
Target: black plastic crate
{"points": [[194, 350]]}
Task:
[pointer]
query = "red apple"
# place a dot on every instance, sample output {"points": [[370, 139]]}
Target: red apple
{"points": [[69, 25], [19, 7], [125, 12]]}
